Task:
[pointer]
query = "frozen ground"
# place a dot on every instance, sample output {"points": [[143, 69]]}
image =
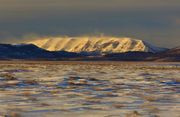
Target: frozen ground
{"points": [[89, 89]]}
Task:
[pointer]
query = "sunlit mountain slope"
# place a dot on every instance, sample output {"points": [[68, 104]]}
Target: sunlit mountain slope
{"points": [[94, 44]]}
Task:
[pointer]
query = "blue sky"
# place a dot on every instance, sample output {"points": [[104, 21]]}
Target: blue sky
{"points": [[155, 21]]}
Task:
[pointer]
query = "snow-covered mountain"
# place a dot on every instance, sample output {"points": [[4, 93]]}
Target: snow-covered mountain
{"points": [[94, 44], [169, 55]]}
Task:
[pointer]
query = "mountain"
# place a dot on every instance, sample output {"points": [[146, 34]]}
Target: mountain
{"points": [[169, 55], [102, 45], [30, 51], [129, 56]]}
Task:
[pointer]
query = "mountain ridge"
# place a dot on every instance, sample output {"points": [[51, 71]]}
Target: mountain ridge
{"points": [[95, 44], [32, 52], [169, 55]]}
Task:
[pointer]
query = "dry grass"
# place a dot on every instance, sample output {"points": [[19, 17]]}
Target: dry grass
{"points": [[8, 76], [133, 114], [12, 114]]}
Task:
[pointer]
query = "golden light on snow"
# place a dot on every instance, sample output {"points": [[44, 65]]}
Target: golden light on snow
{"points": [[90, 44]]}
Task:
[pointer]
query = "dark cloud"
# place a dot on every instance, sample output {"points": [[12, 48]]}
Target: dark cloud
{"points": [[156, 21]]}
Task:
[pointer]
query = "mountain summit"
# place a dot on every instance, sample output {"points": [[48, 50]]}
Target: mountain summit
{"points": [[95, 44]]}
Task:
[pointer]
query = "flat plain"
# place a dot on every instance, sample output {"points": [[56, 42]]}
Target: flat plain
{"points": [[89, 89]]}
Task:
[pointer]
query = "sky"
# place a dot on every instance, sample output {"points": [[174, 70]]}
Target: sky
{"points": [[154, 21]]}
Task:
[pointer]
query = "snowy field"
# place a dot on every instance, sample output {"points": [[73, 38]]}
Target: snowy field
{"points": [[89, 89]]}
